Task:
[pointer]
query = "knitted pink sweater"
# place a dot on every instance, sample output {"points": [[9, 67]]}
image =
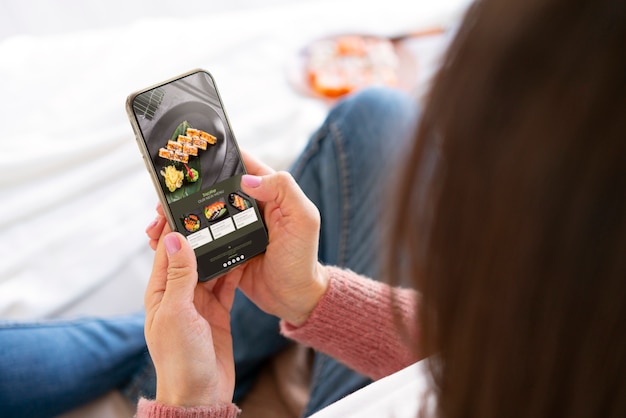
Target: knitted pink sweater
{"points": [[355, 322]]}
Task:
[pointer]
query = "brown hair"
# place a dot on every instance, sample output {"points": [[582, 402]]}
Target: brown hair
{"points": [[512, 213]]}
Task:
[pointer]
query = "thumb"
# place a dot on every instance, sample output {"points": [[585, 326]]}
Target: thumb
{"points": [[281, 189], [182, 273]]}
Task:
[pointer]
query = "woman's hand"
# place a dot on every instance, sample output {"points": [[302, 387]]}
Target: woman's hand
{"points": [[287, 280], [188, 327], [155, 229]]}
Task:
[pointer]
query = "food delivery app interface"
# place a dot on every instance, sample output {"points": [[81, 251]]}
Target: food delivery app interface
{"points": [[199, 167]]}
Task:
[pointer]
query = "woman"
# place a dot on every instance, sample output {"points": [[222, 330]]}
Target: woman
{"points": [[510, 219], [51, 367]]}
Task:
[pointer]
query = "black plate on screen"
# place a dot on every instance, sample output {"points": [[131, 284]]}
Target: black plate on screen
{"points": [[200, 116]]}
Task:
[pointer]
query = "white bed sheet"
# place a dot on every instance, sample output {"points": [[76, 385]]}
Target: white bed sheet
{"points": [[74, 195], [399, 395]]}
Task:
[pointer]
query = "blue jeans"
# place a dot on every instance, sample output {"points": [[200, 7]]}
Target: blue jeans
{"points": [[346, 170], [51, 367]]}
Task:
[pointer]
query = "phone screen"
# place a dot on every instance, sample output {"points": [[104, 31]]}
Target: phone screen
{"points": [[194, 160]]}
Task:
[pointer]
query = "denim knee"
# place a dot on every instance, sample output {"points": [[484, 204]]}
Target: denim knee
{"points": [[373, 117]]}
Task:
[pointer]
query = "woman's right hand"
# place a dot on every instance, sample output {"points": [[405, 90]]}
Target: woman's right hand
{"points": [[287, 280]]}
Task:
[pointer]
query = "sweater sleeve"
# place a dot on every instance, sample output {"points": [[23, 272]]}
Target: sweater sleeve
{"points": [[153, 409], [365, 324]]}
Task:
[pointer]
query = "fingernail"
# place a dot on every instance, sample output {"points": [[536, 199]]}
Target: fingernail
{"points": [[251, 181], [152, 224], [172, 244]]}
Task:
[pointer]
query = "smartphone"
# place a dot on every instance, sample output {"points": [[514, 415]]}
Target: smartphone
{"points": [[190, 150]]}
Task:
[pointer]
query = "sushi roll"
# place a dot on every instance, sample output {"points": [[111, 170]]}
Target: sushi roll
{"points": [[199, 142], [174, 146], [184, 139], [215, 210], [190, 149], [191, 222], [239, 202], [208, 137], [197, 134]]}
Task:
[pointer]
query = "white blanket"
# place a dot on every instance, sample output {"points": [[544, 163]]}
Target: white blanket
{"points": [[74, 195], [399, 395]]}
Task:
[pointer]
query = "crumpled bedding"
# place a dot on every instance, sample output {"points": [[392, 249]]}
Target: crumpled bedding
{"points": [[74, 195]]}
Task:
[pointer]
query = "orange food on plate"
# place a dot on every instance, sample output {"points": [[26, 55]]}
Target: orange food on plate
{"points": [[191, 222], [239, 201], [337, 66], [215, 210], [351, 45]]}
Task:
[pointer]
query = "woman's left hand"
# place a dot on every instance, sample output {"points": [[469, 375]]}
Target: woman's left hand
{"points": [[188, 328]]}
